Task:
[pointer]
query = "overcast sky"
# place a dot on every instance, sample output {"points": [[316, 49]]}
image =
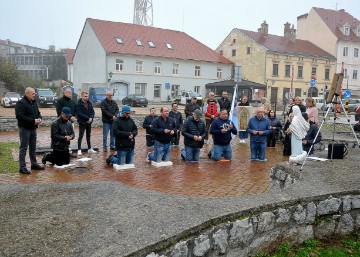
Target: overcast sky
{"points": [[46, 22]]}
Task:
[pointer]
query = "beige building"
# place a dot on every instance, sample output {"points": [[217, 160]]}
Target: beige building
{"points": [[338, 33], [277, 60]]}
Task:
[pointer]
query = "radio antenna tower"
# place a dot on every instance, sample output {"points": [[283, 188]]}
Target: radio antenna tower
{"points": [[143, 12]]}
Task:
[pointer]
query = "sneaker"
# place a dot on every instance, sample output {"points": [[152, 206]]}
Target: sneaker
{"points": [[79, 153], [108, 160], [243, 141], [91, 151], [148, 157], [262, 160]]}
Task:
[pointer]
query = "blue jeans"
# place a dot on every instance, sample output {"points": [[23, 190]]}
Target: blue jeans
{"points": [[243, 134], [191, 154], [123, 157], [257, 150], [161, 152], [106, 128], [221, 151]]}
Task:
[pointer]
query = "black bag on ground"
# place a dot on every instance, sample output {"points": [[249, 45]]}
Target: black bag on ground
{"points": [[340, 151]]}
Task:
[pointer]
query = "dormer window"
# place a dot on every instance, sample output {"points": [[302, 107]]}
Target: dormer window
{"points": [[138, 42], [169, 46], [346, 31], [119, 40], [151, 44]]}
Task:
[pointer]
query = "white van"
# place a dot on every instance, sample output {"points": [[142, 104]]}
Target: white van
{"points": [[319, 102]]}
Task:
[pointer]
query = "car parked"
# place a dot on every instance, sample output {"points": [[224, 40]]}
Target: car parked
{"points": [[353, 104], [45, 97], [9, 99], [135, 100]]}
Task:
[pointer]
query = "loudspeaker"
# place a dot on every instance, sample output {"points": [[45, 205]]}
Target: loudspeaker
{"points": [[335, 86], [340, 151]]}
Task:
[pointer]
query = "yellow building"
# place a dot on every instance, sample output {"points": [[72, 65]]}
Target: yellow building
{"points": [[276, 61]]}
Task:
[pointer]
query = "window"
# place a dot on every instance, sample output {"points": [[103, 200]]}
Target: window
{"points": [[275, 69], [356, 52], [157, 68], [358, 32], [138, 42], [354, 74], [345, 51], [175, 90], [345, 73], [157, 88], [221, 52], [175, 69], [313, 71], [151, 44], [219, 73], [287, 70], [119, 40], [327, 74], [234, 40], [169, 46], [197, 89], [197, 71], [300, 71], [140, 89], [233, 52], [139, 66], [248, 50], [346, 31], [119, 65]]}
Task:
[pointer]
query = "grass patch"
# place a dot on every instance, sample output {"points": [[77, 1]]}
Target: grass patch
{"points": [[312, 248], [8, 165]]}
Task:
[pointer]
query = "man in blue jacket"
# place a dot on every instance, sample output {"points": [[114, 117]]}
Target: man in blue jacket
{"points": [[147, 125], [221, 129], [258, 128], [164, 129], [86, 113]]}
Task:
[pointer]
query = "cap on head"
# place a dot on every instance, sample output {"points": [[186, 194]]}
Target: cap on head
{"points": [[198, 113], [66, 111], [125, 108]]}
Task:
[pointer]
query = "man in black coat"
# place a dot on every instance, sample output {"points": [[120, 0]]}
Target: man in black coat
{"points": [[66, 101], [109, 110], [29, 118], [191, 107], [147, 125], [309, 139], [178, 123], [224, 102], [125, 131], [194, 133], [62, 133]]}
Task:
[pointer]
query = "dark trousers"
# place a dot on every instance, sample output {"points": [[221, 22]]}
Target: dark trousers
{"points": [[176, 138], [27, 140], [82, 129], [271, 139], [59, 157], [150, 140], [208, 124]]}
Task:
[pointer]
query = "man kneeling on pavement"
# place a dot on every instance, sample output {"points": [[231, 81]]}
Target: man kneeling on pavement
{"points": [[221, 129], [61, 134]]}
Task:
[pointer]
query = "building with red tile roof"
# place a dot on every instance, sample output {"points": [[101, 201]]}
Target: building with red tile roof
{"points": [[285, 64], [158, 63], [337, 32]]}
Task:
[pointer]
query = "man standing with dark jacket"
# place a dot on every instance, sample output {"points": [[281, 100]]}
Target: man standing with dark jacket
{"points": [[191, 107], [29, 118], [178, 123], [147, 125], [224, 102], [194, 132], [66, 101], [85, 117], [125, 131], [61, 134], [109, 110], [164, 129]]}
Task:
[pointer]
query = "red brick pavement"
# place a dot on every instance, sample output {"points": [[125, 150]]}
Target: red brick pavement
{"points": [[204, 179]]}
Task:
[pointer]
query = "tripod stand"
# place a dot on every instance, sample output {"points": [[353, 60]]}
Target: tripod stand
{"points": [[336, 98]]}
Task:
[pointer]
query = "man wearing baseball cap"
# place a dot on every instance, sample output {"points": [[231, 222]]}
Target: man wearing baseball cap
{"points": [[194, 132], [61, 134]]}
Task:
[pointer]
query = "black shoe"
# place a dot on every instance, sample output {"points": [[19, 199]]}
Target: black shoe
{"points": [[45, 157], [113, 148], [37, 167], [24, 171], [108, 160], [209, 154]]}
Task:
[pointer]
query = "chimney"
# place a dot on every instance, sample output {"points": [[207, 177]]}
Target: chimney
{"points": [[264, 29], [51, 48], [289, 33]]}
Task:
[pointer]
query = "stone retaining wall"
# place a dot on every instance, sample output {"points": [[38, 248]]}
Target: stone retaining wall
{"points": [[318, 217], [10, 123]]}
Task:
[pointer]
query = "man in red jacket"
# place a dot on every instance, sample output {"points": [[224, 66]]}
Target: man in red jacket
{"points": [[211, 110]]}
